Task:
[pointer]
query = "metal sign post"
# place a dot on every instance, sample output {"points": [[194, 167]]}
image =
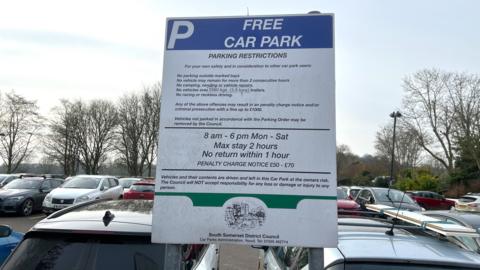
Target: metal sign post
{"points": [[173, 257], [315, 259]]}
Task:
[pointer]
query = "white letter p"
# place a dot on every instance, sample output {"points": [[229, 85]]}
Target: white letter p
{"points": [[174, 35]]}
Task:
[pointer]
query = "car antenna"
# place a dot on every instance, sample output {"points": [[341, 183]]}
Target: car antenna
{"points": [[390, 232]]}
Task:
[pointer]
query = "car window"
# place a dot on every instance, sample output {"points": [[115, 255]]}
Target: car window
{"points": [[341, 194], [354, 192], [46, 185], [23, 184], [143, 188], [127, 182], [395, 196], [105, 184], [397, 266], [113, 183], [88, 253], [467, 199], [296, 257], [56, 183], [49, 254], [363, 194], [82, 182]]}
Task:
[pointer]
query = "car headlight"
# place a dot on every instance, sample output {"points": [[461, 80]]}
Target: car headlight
{"points": [[82, 199], [16, 198], [48, 198]]}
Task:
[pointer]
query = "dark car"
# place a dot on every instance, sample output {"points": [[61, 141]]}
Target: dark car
{"points": [[7, 178], [385, 196], [8, 241], [25, 195], [431, 200], [144, 190], [113, 234], [470, 220]]}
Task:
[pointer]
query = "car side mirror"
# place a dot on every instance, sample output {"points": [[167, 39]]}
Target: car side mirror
{"points": [[5, 231], [102, 188]]}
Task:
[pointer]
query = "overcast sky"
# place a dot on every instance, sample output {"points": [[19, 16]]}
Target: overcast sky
{"points": [[103, 48]]}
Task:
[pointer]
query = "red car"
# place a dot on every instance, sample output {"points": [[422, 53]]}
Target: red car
{"points": [[344, 204], [143, 190], [431, 200]]}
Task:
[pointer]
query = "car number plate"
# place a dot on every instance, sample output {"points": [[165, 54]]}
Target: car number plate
{"points": [[58, 206]]}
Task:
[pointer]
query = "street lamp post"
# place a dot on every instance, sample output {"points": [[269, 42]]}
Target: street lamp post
{"points": [[394, 115]]}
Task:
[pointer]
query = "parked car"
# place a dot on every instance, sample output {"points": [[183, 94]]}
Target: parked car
{"points": [[363, 244], [344, 204], [126, 182], [385, 196], [144, 189], [82, 188], [25, 195], [3, 177], [114, 234], [470, 220], [469, 202], [8, 241], [351, 191], [431, 200], [7, 178]]}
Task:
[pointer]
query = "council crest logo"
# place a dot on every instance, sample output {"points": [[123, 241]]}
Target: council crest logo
{"points": [[244, 215]]}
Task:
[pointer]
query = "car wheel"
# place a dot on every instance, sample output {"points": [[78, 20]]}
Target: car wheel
{"points": [[27, 207]]}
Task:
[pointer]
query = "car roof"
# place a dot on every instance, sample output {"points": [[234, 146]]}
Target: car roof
{"points": [[472, 219], [94, 176], [145, 182], [356, 244], [130, 178], [129, 217]]}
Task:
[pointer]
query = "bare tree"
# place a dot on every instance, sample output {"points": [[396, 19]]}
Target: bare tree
{"points": [[96, 132], [429, 113], [139, 117], [151, 102], [20, 122], [464, 93], [407, 148], [132, 123], [61, 143]]}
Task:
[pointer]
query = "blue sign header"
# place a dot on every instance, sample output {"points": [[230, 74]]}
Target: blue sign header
{"points": [[250, 33]]}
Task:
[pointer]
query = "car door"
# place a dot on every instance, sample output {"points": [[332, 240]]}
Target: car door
{"points": [[115, 189], [45, 188], [105, 185]]}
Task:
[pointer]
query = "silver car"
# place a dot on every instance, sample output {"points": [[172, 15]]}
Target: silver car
{"points": [[363, 244]]}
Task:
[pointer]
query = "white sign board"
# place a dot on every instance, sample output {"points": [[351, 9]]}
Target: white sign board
{"points": [[247, 132]]}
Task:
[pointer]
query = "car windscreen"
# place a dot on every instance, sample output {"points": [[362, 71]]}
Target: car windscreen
{"points": [[23, 184], [127, 182], [354, 192], [398, 266], [395, 196], [466, 199], [82, 182], [86, 252], [143, 188], [341, 194]]}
